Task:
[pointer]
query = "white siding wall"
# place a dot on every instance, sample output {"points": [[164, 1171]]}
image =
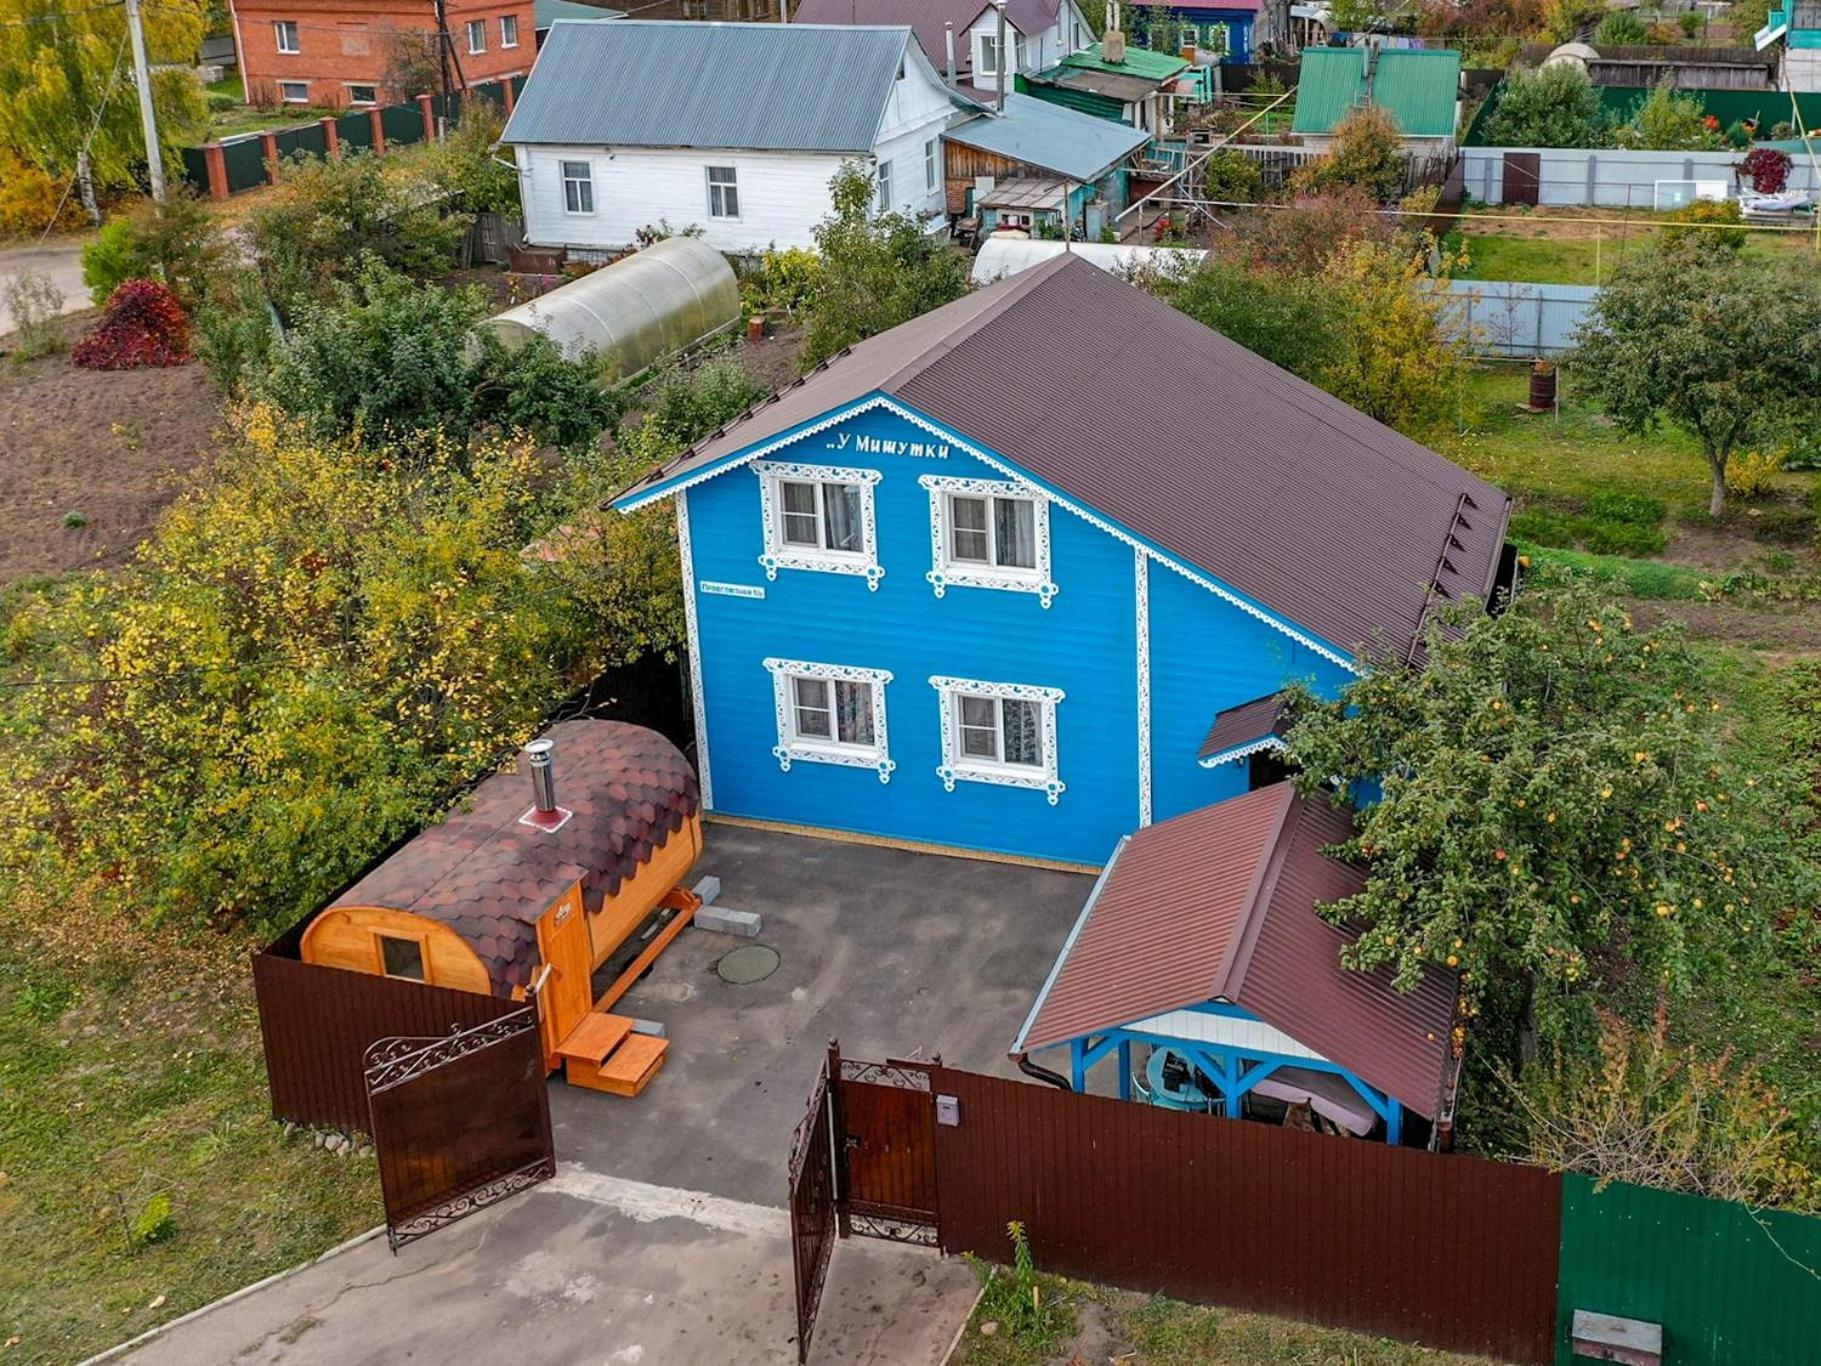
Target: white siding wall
{"points": [[916, 114], [1036, 51], [782, 196]]}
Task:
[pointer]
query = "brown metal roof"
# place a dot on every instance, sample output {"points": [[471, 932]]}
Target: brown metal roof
{"points": [[926, 19], [490, 877], [1238, 468], [1219, 904], [1246, 724]]}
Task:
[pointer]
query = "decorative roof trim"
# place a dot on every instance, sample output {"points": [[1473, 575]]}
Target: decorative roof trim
{"points": [[1068, 947], [1245, 751], [877, 400]]}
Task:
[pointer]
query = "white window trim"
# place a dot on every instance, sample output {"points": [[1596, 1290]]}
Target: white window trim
{"points": [[712, 185], [989, 43], [506, 19], [301, 99], [278, 36], [932, 171], [477, 26], [363, 85], [781, 555], [957, 768], [794, 748], [946, 573], [563, 182]]}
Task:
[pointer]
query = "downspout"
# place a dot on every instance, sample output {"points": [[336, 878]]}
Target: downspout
{"points": [[1031, 1069]]}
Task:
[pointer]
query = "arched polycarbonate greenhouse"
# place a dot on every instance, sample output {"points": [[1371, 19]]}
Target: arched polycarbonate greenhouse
{"points": [[634, 312]]}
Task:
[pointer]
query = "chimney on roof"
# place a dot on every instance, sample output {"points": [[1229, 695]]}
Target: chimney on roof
{"points": [[1112, 46], [1005, 71], [948, 35], [544, 814]]}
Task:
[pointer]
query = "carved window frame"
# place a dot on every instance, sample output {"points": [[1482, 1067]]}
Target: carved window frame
{"points": [[946, 572], [956, 767], [781, 555], [794, 748]]}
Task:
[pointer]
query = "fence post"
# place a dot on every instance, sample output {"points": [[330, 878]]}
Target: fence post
{"points": [[511, 99], [423, 107], [379, 132], [837, 1140], [217, 165], [331, 135], [268, 149]]}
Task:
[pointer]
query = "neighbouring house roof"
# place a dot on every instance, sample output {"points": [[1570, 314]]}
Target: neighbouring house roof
{"points": [[1183, 438], [1056, 139], [1093, 81], [926, 19], [1219, 904], [1029, 192], [490, 877], [1419, 87], [665, 83], [1240, 730], [547, 12], [1155, 67]]}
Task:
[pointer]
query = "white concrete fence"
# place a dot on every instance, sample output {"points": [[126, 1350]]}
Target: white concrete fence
{"points": [[1604, 177]]}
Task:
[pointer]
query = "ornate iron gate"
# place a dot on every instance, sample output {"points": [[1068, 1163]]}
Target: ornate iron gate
{"points": [[812, 1207], [885, 1114], [459, 1123]]}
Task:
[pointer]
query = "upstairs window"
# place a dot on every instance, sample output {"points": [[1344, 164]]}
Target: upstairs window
{"points": [[286, 32], [999, 733], [930, 164], [477, 37], [509, 30], [819, 517], [989, 533], [885, 187], [988, 64], [723, 192], [831, 714], [578, 187]]}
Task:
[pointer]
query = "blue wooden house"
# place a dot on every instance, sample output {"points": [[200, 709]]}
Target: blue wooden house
{"points": [[991, 579]]}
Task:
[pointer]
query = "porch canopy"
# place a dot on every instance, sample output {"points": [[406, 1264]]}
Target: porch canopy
{"points": [[1201, 935], [1245, 730]]}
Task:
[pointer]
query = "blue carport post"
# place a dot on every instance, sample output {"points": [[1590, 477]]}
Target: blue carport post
{"points": [[1078, 1071], [1125, 1069]]}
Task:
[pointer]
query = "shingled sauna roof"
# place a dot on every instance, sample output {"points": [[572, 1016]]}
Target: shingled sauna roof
{"points": [[1229, 464], [488, 876]]}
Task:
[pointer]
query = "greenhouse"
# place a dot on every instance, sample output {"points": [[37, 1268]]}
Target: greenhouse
{"points": [[636, 311]]}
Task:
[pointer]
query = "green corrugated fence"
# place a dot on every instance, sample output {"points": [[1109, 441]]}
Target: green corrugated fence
{"points": [[1731, 1286], [1769, 107]]}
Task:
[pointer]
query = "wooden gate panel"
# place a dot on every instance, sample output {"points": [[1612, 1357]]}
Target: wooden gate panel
{"points": [[886, 1120], [459, 1123]]}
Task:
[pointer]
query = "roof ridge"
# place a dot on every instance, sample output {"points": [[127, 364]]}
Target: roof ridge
{"points": [[1230, 977]]}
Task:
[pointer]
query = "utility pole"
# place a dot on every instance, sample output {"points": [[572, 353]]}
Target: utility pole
{"points": [[142, 76]]}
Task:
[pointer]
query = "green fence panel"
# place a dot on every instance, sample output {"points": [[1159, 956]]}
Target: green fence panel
{"points": [[245, 163], [403, 124], [1730, 1286], [309, 138], [196, 169], [1617, 102], [355, 131]]}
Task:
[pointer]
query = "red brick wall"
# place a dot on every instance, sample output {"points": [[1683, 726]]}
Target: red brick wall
{"points": [[344, 42]]}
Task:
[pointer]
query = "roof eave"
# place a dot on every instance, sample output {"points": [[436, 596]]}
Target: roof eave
{"points": [[1020, 1045], [1249, 748]]}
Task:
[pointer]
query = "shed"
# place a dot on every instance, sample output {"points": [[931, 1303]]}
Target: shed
{"points": [[1419, 87], [1137, 89], [522, 888], [1202, 936], [643, 307]]}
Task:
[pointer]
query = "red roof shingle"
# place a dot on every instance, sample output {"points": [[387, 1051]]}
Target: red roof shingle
{"points": [[1260, 719]]}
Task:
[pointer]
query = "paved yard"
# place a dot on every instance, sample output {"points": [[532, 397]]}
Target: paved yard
{"points": [[888, 951], [59, 261], [664, 1238]]}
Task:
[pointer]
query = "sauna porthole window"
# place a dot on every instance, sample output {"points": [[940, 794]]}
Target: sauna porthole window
{"points": [[402, 957]]}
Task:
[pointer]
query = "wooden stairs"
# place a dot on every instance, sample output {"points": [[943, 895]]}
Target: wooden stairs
{"points": [[603, 1054]]}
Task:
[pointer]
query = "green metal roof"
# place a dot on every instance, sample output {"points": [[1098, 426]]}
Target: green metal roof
{"points": [[1139, 61], [549, 11], [1332, 85], [1419, 88]]}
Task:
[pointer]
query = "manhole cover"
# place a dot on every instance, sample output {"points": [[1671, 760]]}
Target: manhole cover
{"points": [[743, 967]]}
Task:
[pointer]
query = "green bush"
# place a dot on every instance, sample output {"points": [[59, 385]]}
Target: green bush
{"points": [[1621, 538], [1619, 29], [1615, 506], [177, 242], [235, 328], [1233, 178], [1552, 106], [220, 101], [1721, 212], [1541, 526], [1666, 120], [781, 283]]}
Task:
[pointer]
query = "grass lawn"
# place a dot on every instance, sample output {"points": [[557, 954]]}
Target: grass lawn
{"points": [[131, 1076], [1537, 251], [247, 118]]}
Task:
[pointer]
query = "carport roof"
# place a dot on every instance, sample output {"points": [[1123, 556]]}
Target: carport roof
{"points": [[1219, 905], [1053, 137]]}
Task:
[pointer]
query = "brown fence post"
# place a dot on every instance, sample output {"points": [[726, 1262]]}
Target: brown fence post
{"points": [[506, 92], [217, 165], [837, 1124], [423, 107], [268, 148], [331, 136], [379, 132]]}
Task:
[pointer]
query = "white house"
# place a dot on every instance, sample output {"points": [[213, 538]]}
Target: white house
{"points": [[735, 129], [1039, 33]]}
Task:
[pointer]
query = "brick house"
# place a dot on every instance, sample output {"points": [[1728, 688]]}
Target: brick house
{"points": [[335, 53]]}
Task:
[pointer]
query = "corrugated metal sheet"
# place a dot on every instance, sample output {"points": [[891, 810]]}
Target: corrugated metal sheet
{"points": [[1451, 1252], [1142, 62], [1081, 101], [926, 18], [1245, 724], [759, 87], [1729, 1284], [1220, 904], [1419, 88], [1248, 473], [1051, 136], [1332, 84], [1514, 318]]}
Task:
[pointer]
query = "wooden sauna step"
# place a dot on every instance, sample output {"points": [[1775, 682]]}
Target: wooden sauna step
{"points": [[627, 1071], [594, 1038]]}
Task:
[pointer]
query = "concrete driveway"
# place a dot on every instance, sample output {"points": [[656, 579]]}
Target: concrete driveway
{"points": [[60, 261], [664, 1237]]}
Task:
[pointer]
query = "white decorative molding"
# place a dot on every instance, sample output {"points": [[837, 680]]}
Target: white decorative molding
{"points": [[880, 401], [697, 702], [778, 555], [792, 747], [1246, 751], [945, 572], [1141, 580], [957, 768]]}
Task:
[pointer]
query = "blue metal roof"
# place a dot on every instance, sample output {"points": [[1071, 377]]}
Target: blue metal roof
{"points": [[762, 87], [547, 12], [1077, 146]]}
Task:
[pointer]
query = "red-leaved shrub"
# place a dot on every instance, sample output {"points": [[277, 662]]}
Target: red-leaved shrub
{"points": [[142, 325], [1768, 169]]}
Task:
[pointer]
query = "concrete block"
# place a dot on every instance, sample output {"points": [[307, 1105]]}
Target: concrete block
{"points": [[655, 1028], [708, 889], [743, 923]]}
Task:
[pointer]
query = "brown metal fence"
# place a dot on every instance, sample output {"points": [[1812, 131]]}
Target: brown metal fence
{"points": [[812, 1207], [1450, 1252], [318, 1022]]}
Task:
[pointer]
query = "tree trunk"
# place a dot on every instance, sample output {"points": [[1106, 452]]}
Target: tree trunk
{"points": [[1716, 504], [85, 185]]}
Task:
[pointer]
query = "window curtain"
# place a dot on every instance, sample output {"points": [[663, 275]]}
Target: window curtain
{"points": [[841, 508], [854, 713], [1022, 743], [1015, 526]]}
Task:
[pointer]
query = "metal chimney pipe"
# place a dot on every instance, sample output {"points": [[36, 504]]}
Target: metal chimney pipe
{"points": [[543, 776], [948, 35], [1004, 74]]}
